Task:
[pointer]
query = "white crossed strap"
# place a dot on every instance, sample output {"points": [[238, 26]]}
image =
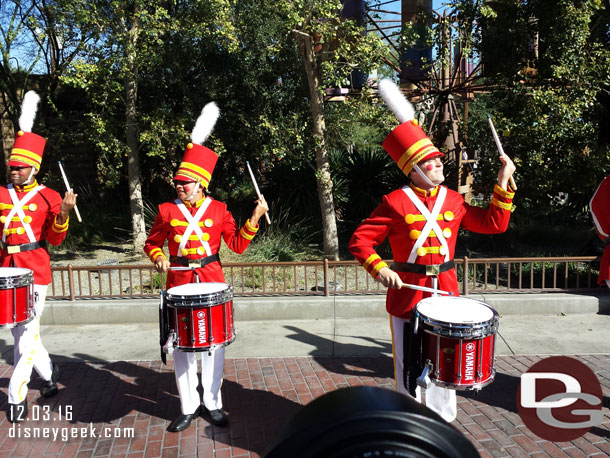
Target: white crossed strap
{"points": [[431, 223], [18, 209], [193, 225]]}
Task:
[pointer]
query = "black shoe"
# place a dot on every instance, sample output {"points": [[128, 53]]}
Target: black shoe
{"points": [[17, 412], [219, 417], [49, 388], [182, 422]]}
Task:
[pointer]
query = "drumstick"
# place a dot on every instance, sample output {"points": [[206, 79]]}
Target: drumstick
{"points": [[426, 289], [63, 174], [500, 149], [258, 192]]}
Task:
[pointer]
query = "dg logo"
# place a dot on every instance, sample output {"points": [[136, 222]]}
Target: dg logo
{"points": [[560, 399]]}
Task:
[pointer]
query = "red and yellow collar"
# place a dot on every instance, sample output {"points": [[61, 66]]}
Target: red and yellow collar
{"points": [[27, 187], [423, 193], [197, 204]]}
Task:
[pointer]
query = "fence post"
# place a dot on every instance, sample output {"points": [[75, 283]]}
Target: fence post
{"points": [[326, 281], [465, 277], [71, 283]]}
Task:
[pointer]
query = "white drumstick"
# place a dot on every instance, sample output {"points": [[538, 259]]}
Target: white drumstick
{"points": [[500, 149], [426, 289], [258, 192], [63, 174]]}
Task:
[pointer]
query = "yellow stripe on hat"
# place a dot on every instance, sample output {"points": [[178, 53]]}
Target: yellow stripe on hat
{"points": [[23, 155], [189, 166], [424, 142], [193, 176]]}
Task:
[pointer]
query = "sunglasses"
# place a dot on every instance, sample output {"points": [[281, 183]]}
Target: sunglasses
{"points": [[182, 183]]}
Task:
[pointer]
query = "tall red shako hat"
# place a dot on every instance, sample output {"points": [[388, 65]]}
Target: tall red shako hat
{"points": [[407, 144], [28, 147], [198, 161]]}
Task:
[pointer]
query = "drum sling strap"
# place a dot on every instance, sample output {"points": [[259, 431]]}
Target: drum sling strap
{"points": [[193, 225], [431, 223], [18, 210], [412, 366]]}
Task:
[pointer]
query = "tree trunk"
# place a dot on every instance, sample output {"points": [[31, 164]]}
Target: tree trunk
{"points": [[133, 160], [323, 178]]}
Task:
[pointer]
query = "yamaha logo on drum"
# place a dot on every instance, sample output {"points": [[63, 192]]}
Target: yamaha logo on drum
{"points": [[469, 371], [201, 327]]}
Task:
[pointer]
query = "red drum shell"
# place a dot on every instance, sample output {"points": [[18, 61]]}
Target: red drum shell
{"points": [[201, 315], [16, 296], [461, 354]]}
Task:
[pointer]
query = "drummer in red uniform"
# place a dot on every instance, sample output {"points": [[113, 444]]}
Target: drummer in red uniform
{"points": [[421, 221], [600, 211], [32, 216], [193, 226]]}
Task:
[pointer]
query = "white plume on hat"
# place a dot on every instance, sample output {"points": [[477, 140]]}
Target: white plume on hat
{"points": [[205, 123], [396, 101], [28, 111]]}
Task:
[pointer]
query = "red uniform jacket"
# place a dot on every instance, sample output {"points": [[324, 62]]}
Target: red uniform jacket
{"points": [[399, 219], [600, 211], [216, 223], [40, 213]]}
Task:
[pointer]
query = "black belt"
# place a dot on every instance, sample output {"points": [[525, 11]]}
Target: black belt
{"points": [[423, 269], [194, 262], [12, 249]]}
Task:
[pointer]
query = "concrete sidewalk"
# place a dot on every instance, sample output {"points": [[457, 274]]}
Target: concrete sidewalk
{"points": [[127, 330], [517, 335]]}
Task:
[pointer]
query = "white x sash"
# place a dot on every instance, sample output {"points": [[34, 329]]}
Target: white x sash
{"points": [[193, 225], [18, 209], [431, 223]]}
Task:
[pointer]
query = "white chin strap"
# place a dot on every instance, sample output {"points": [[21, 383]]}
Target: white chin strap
{"points": [[195, 189], [29, 177], [423, 175]]}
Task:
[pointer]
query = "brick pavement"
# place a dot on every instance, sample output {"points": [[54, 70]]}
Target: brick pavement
{"points": [[260, 395]]}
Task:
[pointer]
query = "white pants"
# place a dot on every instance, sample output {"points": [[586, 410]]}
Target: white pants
{"points": [[187, 380], [28, 352], [441, 400]]}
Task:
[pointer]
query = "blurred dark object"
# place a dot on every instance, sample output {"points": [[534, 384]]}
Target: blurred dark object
{"points": [[367, 421]]}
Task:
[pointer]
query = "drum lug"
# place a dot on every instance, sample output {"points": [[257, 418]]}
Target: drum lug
{"points": [[168, 347], [424, 379]]}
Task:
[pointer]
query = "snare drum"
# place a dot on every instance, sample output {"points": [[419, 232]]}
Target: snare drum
{"points": [[16, 296], [200, 315], [457, 341]]}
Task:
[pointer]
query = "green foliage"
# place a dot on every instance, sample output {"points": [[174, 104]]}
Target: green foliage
{"points": [[556, 114], [286, 239]]}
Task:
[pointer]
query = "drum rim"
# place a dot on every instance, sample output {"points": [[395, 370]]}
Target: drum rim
{"points": [[19, 323], [227, 287], [219, 297], [209, 347], [474, 386], [17, 281], [494, 315]]}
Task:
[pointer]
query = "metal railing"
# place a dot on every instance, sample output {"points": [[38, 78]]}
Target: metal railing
{"points": [[479, 275]]}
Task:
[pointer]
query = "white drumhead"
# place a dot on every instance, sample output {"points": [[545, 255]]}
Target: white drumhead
{"points": [[454, 309], [6, 272], [197, 289]]}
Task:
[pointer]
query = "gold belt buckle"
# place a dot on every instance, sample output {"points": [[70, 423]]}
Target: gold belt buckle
{"points": [[433, 269], [13, 249], [194, 265]]}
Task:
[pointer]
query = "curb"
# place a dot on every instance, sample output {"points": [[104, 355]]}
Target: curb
{"points": [[109, 311]]}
